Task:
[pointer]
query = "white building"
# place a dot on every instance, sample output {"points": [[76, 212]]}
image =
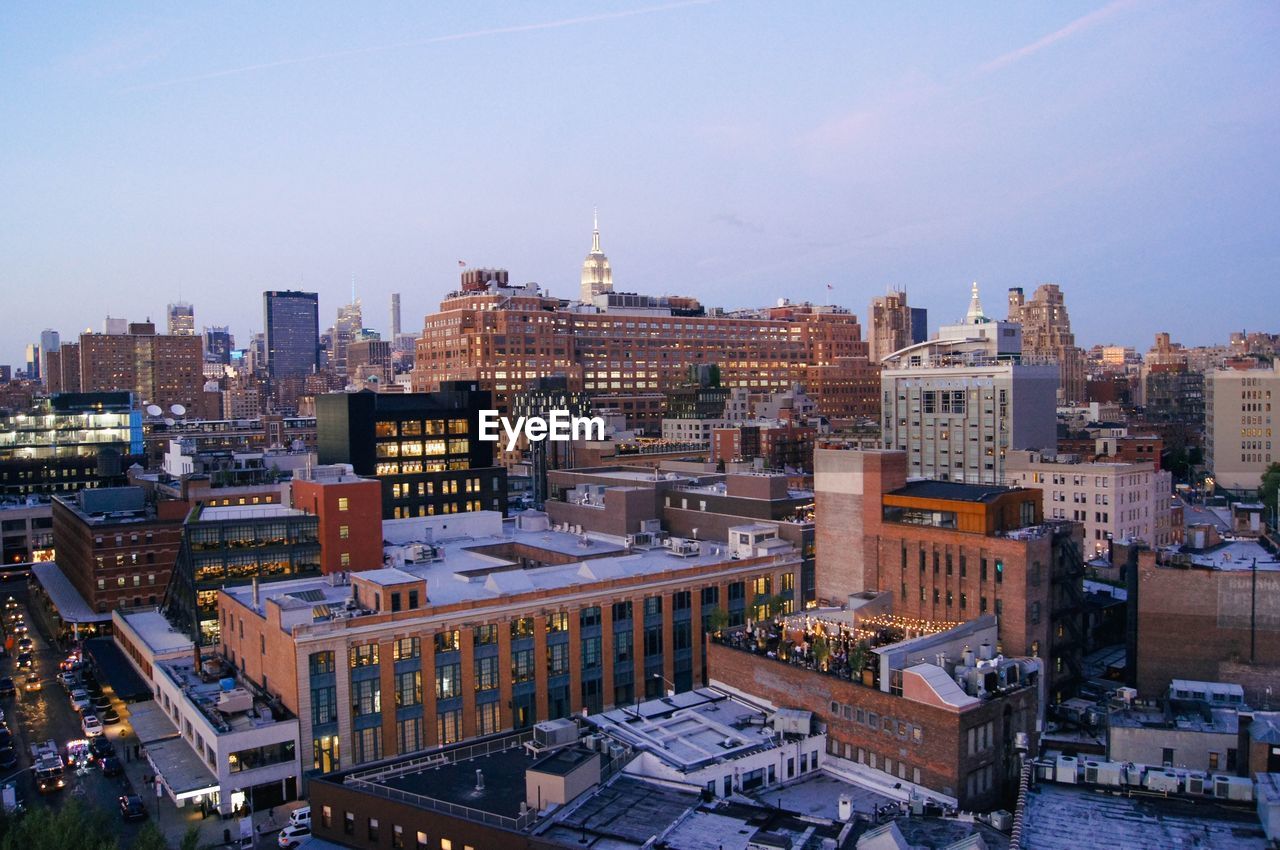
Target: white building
{"points": [[959, 403], [211, 737], [1239, 443], [1114, 501]]}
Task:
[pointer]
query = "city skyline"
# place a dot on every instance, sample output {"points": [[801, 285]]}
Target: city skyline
{"points": [[1120, 150]]}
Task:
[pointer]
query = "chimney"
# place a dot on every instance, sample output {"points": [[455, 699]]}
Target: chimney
{"points": [[255, 593]]}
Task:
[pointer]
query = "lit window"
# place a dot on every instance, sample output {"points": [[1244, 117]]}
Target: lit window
{"points": [[344, 532], [345, 559], [343, 503]]}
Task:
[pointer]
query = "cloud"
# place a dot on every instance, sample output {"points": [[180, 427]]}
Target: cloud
{"points": [[1079, 25], [736, 222], [440, 39]]}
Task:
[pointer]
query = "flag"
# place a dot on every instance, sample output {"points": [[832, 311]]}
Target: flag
{"points": [[462, 264]]}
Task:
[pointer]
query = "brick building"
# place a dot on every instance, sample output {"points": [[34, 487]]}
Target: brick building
{"points": [[952, 551], [906, 713], [477, 628], [157, 368], [503, 336], [349, 509], [115, 547]]}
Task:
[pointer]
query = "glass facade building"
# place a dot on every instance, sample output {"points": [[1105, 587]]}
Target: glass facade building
{"points": [[292, 322]]}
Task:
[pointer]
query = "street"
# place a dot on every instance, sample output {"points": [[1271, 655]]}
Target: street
{"points": [[48, 714]]}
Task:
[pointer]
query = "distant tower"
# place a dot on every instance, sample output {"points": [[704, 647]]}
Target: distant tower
{"points": [[975, 316], [597, 277], [395, 316], [182, 319]]}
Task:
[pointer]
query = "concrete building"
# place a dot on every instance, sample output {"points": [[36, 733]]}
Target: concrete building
{"points": [[951, 552], [1046, 332], [480, 626], [1238, 426], [181, 319], [959, 403], [213, 738], [26, 530], [1113, 501], [502, 337]]}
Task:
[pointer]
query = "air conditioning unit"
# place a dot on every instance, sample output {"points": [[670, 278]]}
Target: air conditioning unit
{"points": [[1065, 770], [1238, 788], [1197, 783], [1162, 780]]}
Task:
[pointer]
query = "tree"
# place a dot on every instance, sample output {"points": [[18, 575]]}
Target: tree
{"points": [[717, 620], [1270, 487], [73, 825], [149, 838], [190, 839]]}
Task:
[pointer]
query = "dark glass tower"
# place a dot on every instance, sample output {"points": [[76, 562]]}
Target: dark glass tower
{"points": [[292, 323]]}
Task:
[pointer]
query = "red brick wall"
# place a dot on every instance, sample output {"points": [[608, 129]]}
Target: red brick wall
{"points": [[362, 521]]}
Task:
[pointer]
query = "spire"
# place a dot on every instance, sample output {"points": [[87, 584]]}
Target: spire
{"points": [[595, 230], [975, 316]]}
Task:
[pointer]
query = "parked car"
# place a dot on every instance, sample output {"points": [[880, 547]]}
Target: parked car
{"points": [[300, 817], [110, 765], [80, 700], [6, 687], [131, 807], [91, 725], [69, 680], [101, 746], [291, 836]]}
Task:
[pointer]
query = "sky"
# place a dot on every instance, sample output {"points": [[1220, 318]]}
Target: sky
{"points": [[737, 151]]}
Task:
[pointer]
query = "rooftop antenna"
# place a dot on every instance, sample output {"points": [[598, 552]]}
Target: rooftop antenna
{"points": [[353, 288]]}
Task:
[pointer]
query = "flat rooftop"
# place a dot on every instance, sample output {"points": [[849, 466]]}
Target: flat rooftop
{"points": [[626, 813], [455, 782], [482, 569], [204, 689], [953, 491], [1060, 817], [1230, 555], [1182, 715], [225, 512], [155, 630], [691, 729]]}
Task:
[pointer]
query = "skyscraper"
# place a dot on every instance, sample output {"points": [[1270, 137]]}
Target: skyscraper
{"points": [[597, 277], [395, 316], [1046, 332], [50, 342], [218, 344], [345, 330], [292, 322], [892, 325], [182, 319]]}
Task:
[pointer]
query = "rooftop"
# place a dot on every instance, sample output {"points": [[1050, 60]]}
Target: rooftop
{"points": [[1230, 554], [691, 729], [953, 491], [1183, 715], [70, 604], [155, 630], [227, 701], [226, 512], [1062, 817], [487, 568]]}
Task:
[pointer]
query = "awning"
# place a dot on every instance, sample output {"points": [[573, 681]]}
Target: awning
{"points": [[112, 665], [66, 599], [181, 771], [150, 723]]}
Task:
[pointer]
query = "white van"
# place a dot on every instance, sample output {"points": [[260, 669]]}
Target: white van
{"points": [[300, 817]]}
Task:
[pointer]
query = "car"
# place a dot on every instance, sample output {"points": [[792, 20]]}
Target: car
{"points": [[109, 716], [20, 628], [292, 835], [110, 765], [8, 758], [26, 644], [6, 687], [91, 725], [78, 752], [101, 746], [131, 807], [32, 683], [102, 702], [68, 680], [10, 604], [25, 661], [300, 817], [80, 700]]}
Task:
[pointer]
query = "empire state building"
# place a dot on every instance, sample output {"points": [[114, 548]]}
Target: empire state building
{"points": [[597, 277]]}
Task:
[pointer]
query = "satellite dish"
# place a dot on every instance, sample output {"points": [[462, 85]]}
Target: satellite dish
{"points": [[169, 421], [178, 410], [154, 410]]}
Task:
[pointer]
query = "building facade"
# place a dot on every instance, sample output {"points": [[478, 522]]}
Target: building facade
{"points": [[1046, 331], [1239, 434], [349, 510], [424, 448], [292, 325]]}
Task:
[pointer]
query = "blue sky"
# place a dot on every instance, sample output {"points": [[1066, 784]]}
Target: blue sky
{"points": [[738, 151]]}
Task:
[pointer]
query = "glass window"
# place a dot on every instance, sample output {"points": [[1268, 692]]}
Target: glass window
{"points": [[321, 663], [409, 688], [448, 681], [406, 648], [364, 655], [487, 673]]}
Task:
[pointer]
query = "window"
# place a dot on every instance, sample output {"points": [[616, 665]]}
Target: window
{"points": [[409, 688], [344, 503], [557, 659], [397, 836], [349, 823], [487, 718], [422, 841], [522, 665], [487, 673], [589, 617], [324, 704], [557, 622], [345, 559], [325, 753], [409, 734], [344, 532], [368, 744], [485, 635], [406, 648], [326, 817], [321, 663], [364, 655], [449, 726], [448, 681], [521, 627], [447, 641], [366, 697]]}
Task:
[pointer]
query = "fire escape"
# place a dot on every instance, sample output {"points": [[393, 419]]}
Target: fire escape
{"points": [[1067, 594]]}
